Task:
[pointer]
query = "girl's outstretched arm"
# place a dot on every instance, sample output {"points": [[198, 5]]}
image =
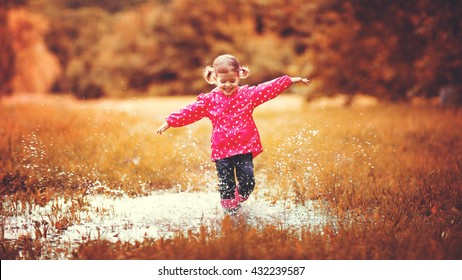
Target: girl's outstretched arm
{"points": [[299, 79], [163, 128], [187, 115], [269, 90]]}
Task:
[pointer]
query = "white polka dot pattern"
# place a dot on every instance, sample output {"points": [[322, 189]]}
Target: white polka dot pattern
{"points": [[234, 130]]}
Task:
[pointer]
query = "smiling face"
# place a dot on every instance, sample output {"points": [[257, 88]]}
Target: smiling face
{"points": [[227, 82]]}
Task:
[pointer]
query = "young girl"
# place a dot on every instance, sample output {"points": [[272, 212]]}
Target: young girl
{"points": [[235, 140]]}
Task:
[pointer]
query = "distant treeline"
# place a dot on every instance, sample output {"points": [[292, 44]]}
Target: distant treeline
{"points": [[391, 49]]}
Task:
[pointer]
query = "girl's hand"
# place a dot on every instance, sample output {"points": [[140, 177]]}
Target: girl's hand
{"points": [[163, 128], [299, 79]]}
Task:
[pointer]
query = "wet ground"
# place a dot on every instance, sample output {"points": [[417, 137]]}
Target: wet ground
{"points": [[159, 215]]}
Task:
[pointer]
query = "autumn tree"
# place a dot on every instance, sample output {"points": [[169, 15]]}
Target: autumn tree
{"points": [[391, 49], [439, 24], [387, 48], [7, 55]]}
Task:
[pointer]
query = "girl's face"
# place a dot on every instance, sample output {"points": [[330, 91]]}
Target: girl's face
{"points": [[227, 82]]}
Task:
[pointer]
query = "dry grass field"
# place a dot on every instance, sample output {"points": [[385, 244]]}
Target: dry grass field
{"points": [[390, 174]]}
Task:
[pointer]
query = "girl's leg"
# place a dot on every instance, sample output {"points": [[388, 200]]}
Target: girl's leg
{"points": [[245, 176], [226, 183]]}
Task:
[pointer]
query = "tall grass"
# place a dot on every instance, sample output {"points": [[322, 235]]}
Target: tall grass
{"points": [[391, 175]]}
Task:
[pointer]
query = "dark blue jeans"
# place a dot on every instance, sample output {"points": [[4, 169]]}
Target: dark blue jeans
{"points": [[240, 167]]}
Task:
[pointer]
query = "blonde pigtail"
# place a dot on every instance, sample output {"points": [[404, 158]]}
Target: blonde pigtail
{"points": [[209, 75], [244, 72]]}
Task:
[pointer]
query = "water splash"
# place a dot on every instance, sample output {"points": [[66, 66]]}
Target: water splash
{"points": [[159, 215]]}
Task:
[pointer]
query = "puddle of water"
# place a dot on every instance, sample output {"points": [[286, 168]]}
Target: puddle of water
{"points": [[161, 214]]}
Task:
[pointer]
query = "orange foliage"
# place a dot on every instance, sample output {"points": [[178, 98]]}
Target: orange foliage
{"points": [[6, 55], [36, 68]]}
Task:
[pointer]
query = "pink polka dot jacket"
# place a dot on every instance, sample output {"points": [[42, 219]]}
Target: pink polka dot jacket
{"points": [[234, 131]]}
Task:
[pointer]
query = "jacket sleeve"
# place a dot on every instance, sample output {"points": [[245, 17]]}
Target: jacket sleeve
{"points": [[269, 90], [189, 114]]}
